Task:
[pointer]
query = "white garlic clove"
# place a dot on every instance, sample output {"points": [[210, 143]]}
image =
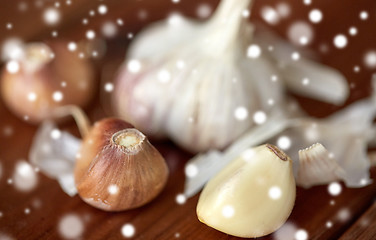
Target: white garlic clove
{"points": [[317, 166], [252, 196], [54, 152], [304, 76]]}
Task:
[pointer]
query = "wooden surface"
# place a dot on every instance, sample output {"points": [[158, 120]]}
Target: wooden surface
{"points": [[37, 214]]}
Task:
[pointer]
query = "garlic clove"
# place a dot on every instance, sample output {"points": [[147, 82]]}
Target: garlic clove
{"points": [[117, 168], [252, 196], [40, 81], [304, 76], [54, 152], [317, 166], [317, 81]]}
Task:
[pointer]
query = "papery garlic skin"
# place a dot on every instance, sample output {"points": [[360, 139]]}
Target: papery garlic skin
{"points": [[252, 196], [48, 77], [117, 168], [190, 89], [317, 166], [185, 80]]}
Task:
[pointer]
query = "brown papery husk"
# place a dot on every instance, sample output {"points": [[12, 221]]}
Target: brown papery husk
{"points": [[138, 175]]}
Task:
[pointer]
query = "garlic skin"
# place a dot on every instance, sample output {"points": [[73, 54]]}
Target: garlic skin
{"points": [[117, 168], [193, 82], [54, 153], [48, 77], [317, 166], [195, 90], [252, 196]]}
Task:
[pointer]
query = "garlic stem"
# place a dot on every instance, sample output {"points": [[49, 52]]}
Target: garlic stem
{"points": [[225, 24], [81, 119]]}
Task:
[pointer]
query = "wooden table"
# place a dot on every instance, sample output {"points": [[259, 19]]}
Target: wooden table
{"points": [[39, 213]]}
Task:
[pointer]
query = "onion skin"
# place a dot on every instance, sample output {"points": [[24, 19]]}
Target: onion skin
{"points": [[136, 176], [47, 78]]}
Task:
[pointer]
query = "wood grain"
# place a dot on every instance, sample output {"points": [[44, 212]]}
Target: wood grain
{"points": [[164, 218]]}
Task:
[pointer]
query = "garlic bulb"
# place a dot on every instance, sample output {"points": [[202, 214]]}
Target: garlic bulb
{"points": [[117, 168], [40, 80], [252, 196], [200, 84]]}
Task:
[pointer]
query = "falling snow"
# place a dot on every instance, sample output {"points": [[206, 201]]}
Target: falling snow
{"points": [[71, 226], [363, 15], [334, 189], [295, 56], [370, 59], [315, 16], [228, 211], [340, 41], [181, 198], [102, 9], [301, 235], [90, 34], [248, 154], [128, 230], [24, 177], [253, 51], [300, 33], [283, 9], [57, 96], [109, 87], [32, 96], [113, 189], [241, 113], [13, 66], [284, 142], [328, 224], [72, 46], [191, 170], [275, 192], [259, 117], [109, 29], [270, 15], [353, 31], [134, 66], [51, 16]]}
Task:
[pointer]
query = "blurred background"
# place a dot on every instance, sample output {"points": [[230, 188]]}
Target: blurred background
{"points": [[341, 32]]}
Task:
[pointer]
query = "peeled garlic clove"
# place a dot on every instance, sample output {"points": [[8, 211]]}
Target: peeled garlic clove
{"points": [[40, 81], [117, 168], [317, 166], [252, 197]]}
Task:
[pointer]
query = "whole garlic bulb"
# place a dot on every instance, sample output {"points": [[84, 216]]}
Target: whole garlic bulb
{"points": [[201, 84], [252, 196], [117, 168], [45, 78], [194, 82]]}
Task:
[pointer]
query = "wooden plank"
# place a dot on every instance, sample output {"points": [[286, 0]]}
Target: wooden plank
{"points": [[364, 228]]}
